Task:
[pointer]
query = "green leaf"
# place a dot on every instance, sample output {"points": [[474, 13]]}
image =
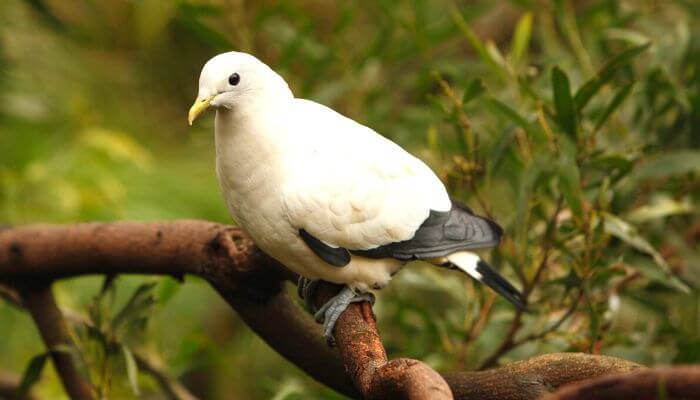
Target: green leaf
{"points": [[627, 233], [473, 39], [632, 37], [132, 370], [619, 97], [527, 90], [612, 161], [586, 92], [33, 372], [474, 89], [504, 110], [498, 150], [64, 348], [651, 270], [496, 55], [521, 37], [667, 164], [527, 184], [570, 177], [661, 207], [563, 103], [140, 301], [594, 318], [613, 166]]}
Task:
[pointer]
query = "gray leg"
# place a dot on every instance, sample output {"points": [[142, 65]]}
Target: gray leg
{"points": [[330, 312], [306, 289]]}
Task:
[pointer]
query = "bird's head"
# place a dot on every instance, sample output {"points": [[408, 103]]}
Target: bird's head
{"points": [[233, 79]]}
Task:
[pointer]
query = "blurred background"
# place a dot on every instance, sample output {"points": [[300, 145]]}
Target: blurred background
{"points": [[575, 124]]}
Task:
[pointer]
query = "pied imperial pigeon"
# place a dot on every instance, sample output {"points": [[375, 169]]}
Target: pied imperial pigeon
{"points": [[328, 197]]}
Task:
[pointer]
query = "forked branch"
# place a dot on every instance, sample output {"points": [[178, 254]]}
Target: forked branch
{"points": [[252, 284]]}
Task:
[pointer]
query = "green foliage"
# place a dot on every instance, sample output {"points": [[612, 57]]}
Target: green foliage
{"points": [[33, 372], [564, 103], [578, 133]]}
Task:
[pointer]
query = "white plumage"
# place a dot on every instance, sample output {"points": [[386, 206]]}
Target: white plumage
{"points": [[286, 165]]}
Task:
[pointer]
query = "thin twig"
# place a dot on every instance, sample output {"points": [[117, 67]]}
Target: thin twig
{"points": [[547, 243], [48, 319], [509, 341], [9, 387], [10, 296], [169, 385], [536, 336], [476, 328]]}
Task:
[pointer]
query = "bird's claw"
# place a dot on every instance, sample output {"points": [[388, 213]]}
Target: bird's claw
{"points": [[306, 289], [329, 313]]}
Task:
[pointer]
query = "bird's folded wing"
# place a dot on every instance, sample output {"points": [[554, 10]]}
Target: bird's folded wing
{"points": [[355, 189], [360, 210]]}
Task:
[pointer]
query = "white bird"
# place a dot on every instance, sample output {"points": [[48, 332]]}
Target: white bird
{"points": [[330, 198]]}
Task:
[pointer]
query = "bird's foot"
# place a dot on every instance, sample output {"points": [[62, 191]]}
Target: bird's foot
{"points": [[329, 313], [306, 289]]}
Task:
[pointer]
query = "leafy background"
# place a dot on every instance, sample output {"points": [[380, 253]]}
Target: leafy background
{"points": [[579, 133]]}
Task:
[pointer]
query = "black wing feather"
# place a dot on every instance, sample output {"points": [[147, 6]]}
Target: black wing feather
{"points": [[335, 256], [442, 233]]}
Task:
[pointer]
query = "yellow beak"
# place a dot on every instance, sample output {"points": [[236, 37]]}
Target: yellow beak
{"points": [[197, 108]]}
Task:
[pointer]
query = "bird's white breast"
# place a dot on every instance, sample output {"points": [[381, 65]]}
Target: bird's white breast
{"points": [[254, 163]]}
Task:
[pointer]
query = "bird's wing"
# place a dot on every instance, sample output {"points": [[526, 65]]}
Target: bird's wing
{"points": [[350, 188]]}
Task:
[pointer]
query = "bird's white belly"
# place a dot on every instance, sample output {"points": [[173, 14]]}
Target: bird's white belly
{"points": [[361, 273], [251, 179], [256, 206], [276, 237]]}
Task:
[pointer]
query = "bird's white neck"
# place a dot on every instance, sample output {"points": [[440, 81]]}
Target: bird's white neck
{"points": [[249, 150]]}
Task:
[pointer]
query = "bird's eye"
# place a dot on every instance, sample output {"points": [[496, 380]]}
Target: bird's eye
{"points": [[234, 79]]}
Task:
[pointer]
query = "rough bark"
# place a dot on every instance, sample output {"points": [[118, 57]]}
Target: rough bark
{"points": [[252, 284], [365, 360], [673, 383], [532, 378]]}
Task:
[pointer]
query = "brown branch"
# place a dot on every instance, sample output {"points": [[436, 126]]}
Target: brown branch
{"points": [[288, 329], [41, 305], [252, 284], [247, 279], [677, 383], [530, 379], [366, 361], [9, 387]]}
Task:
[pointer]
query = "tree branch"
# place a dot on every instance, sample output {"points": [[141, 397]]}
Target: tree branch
{"points": [[677, 383], [9, 387], [252, 284], [532, 378], [366, 361], [39, 301]]}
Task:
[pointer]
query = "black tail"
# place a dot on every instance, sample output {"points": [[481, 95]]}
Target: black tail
{"points": [[495, 281], [478, 269]]}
